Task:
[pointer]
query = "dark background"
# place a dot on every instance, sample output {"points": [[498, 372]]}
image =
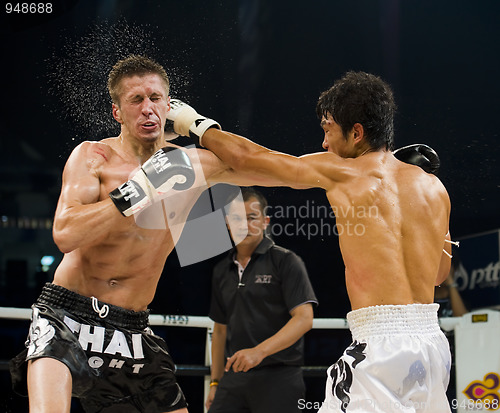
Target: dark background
{"points": [[257, 67]]}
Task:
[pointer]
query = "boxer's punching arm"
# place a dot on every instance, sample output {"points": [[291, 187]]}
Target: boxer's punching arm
{"points": [[80, 218], [317, 170], [215, 171], [246, 157]]}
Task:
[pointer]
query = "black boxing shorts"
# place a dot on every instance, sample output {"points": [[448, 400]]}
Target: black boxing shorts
{"points": [[116, 362]]}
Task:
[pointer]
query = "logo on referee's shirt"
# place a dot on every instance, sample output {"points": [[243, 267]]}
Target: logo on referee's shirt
{"points": [[263, 279]]}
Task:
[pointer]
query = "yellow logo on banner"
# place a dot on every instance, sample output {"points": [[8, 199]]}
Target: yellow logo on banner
{"points": [[485, 392], [479, 318]]}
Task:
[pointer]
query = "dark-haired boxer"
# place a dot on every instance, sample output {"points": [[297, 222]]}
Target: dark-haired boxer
{"points": [[90, 337], [392, 218]]}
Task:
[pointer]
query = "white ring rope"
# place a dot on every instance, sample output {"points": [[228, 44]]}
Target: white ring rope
{"points": [[446, 323]]}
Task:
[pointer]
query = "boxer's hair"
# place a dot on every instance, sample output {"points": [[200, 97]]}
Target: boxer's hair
{"points": [[360, 97], [133, 65], [249, 192]]}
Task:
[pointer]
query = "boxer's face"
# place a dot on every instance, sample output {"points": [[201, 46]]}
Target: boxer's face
{"points": [[334, 140], [143, 107]]}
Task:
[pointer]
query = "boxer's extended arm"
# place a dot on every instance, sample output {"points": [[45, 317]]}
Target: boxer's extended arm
{"points": [[247, 157], [299, 324], [79, 209], [317, 170], [215, 171]]}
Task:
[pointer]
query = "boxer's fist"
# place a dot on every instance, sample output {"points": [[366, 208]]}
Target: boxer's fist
{"points": [[168, 169], [187, 122], [420, 155]]}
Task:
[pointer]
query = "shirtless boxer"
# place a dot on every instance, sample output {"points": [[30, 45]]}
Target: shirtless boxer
{"points": [[393, 231], [89, 337]]}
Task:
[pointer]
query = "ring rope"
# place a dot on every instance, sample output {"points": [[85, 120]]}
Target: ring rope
{"points": [[446, 323]]}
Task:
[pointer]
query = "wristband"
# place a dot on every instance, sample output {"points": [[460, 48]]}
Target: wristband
{"points": [[214, 383]]}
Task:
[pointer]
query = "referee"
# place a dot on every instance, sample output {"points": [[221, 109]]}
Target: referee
{"points": [[262, 305]]}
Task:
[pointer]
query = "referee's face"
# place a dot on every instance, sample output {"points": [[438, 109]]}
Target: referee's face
{"points": [[253, 224]]}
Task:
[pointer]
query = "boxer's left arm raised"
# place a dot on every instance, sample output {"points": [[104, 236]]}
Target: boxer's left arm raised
{"points": [[168, 169], [83, 203], [79, 207]]}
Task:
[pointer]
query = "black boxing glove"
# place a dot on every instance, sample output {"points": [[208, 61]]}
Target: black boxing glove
{"points": [[421, 155], [168, 169]]}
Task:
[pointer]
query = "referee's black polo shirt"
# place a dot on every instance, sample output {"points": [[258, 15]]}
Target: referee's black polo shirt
{"points": [[274, 282]]}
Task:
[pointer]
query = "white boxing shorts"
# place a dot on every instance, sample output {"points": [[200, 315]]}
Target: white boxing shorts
{"points": [[399, 361]]}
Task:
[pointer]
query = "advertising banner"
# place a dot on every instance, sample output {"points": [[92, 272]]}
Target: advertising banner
{"points": [[477, 275], [477, 358]]}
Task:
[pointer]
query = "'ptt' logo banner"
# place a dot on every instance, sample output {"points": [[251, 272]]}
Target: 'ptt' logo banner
{"points": [[478, 274]]}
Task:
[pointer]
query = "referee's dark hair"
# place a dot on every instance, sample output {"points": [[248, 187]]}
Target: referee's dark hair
{"points": [[249, 192]]}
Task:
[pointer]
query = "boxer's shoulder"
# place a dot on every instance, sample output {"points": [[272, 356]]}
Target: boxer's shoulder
{"points": [[91, 155], [94, 150]]}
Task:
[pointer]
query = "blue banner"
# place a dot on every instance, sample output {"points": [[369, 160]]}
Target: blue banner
{"points": [[477, 275]]}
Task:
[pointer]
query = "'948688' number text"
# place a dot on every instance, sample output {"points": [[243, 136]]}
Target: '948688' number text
{"points": [[28, 8]]}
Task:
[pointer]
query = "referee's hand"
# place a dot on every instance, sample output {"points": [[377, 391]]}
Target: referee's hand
{"points": [[244, 360]]}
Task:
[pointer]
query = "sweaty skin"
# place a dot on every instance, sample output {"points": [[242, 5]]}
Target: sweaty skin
{"points": [[107, 255], [116, 259], [392, 218]]}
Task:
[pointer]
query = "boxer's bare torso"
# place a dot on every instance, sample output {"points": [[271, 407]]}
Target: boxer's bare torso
{"points": [[118, 259], [392, 218]]}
